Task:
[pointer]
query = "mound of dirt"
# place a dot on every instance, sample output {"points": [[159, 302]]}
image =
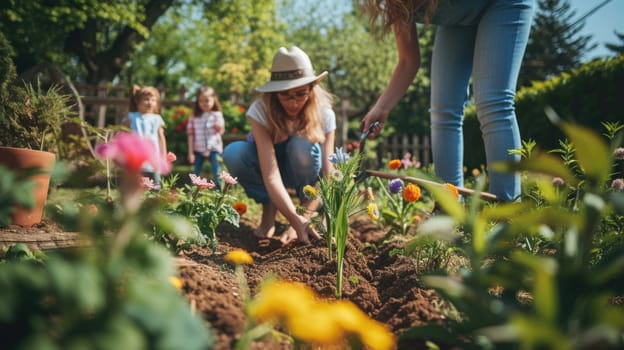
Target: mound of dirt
{"points": [[384, 285]]}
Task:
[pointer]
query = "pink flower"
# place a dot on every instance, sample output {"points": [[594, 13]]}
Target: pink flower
{"points": [[619, 153], [225, 176], [407, 160], [618, 185], [558, 181], [148, 183], [131, 152], [201, 182], [171, 157]]}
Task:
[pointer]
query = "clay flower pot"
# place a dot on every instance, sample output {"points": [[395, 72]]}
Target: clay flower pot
{"points": [[18, 159]]}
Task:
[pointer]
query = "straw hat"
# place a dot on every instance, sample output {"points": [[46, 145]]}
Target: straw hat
{"points": [[291, 69]]}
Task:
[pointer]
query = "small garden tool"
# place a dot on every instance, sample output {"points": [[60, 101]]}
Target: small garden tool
{"points": [[361, 173]]}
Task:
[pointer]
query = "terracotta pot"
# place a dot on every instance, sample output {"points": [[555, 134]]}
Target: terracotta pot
{"points": [[17, 159]]}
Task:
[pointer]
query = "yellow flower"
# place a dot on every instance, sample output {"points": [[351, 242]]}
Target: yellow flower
{"points": [[176, 282], [240, 207], [375, 336], [452, 189], [411, 193], [316, 326], [238, 257], [394, 164], [277, 300], [373, 211], [348, 316], [475, 172], [309, 192]]}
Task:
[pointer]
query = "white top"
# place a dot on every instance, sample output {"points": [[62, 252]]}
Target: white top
{"points": [[258, 111]]}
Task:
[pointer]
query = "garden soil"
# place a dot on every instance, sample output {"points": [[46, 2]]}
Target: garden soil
{"points": [[384, 285]]}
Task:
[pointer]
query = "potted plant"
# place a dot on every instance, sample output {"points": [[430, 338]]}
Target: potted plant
{"points": [[31, 118]]}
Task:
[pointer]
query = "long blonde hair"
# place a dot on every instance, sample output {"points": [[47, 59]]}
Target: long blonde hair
{"points": [[138, 92], [391, 12], [310, 123]]}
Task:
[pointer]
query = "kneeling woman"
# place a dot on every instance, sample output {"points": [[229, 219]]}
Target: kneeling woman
{"points": [[293, 131]]}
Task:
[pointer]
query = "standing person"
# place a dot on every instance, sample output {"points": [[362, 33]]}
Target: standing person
{"points": [[293, 128], [482, 39], [145, 119], [204, 131]]}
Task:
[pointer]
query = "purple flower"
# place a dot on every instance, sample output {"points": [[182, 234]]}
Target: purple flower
{"points": [[618, 185], [339, 157], [395, 185]]}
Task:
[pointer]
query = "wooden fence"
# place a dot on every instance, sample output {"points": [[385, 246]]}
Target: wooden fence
{"points": [[397, 146], [107, 104]]}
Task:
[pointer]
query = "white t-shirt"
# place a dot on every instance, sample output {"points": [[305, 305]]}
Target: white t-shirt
{"points": [[258, 111]]}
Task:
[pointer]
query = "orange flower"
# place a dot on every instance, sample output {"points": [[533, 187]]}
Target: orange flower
{"points": [[452, 189], [240, 207], [417, 219], [394, 164], [411, 193]]}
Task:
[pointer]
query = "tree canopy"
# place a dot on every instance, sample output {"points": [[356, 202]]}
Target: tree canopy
{"points": [[89, 39], [555, 43]]}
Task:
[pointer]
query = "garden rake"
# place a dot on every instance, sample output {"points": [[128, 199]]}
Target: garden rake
{"points": [[362, 174]]}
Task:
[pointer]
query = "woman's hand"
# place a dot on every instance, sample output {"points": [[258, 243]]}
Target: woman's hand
{"points": [[375, 114], [301, 229]]}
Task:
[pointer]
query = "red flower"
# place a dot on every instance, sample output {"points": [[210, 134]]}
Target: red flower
{"points": [[240, 207]]}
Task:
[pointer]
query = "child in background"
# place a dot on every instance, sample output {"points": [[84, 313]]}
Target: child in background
{"points": [[204, 131], [144, 119]]}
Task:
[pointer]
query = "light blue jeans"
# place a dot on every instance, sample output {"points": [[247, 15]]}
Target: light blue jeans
{"points": [[214, 166], [486, 42], [298, 159]]}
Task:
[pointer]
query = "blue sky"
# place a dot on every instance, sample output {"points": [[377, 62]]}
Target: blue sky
{"points": [[601, 23]]}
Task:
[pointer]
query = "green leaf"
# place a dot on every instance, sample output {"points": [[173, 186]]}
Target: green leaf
{"points": [[447, 201], [539, 162], [592, 152]]}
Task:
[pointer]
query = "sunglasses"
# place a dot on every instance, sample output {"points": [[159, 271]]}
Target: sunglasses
{"points": [[297, 96]]}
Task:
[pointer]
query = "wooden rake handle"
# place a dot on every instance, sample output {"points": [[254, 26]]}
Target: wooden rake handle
{"points": [[462, 190]]}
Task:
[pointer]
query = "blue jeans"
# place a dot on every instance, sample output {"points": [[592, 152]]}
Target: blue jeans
{"points": [[214, 165], [298, 159], [487, 45]]}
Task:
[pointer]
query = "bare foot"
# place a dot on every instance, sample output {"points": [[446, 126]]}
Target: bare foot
{"points": [[267, 223], [289, 236], [264, 232]]}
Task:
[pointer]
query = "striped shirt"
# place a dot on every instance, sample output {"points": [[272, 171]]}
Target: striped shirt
{"points": [[205, 138]]}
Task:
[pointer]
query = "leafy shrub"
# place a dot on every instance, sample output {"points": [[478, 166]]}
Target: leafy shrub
{"points": [[589, 95], [556, 298], [176, 119], [116, 293]]}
